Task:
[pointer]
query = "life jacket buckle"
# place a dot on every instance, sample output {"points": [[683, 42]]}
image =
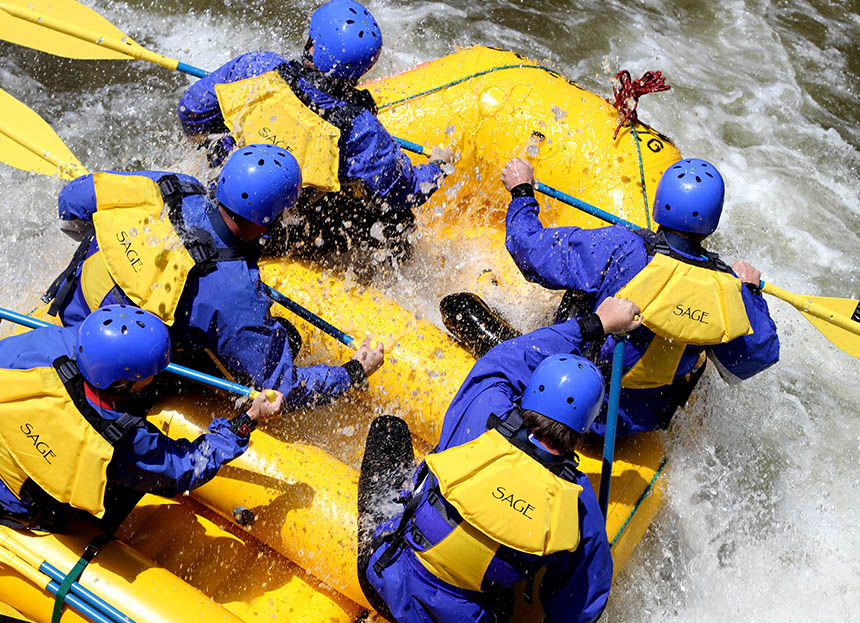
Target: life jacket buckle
{"points": [[169, 186]]}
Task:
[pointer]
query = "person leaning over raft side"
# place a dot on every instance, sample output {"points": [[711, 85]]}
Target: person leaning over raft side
{"points": [[194, 264], [500, 497], [694, 306], [76, 443], [360, 177]]}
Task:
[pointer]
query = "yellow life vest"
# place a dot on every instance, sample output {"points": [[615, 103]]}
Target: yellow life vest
{"points": [[139, 250], [683, 304], [264, 109], [505, 498], [58, 442]]}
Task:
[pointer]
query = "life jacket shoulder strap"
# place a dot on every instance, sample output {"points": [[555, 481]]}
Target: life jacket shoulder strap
{"points": [[356, 101], [510, 426], [113, 431], [655, 242], [197, 241], [63, 286]]}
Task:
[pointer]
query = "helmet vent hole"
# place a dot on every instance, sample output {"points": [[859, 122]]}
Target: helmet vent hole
{"points": [[108, 321], [361, 34], [140, 324], [140, 312], [696, 214], [570, 400], [244, 195], [540, 388], [580, 366], [350, 21], [124, 329], [352, 10], [247, 153], [80, 349], [282, 154], [261, 162], [277, 163], [699, 179], [709, 174], [667, 207], [562, 358], [682, 175]]}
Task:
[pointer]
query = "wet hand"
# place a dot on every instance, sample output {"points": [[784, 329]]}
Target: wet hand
{"points": [[370, 358], [517, 172], [618, 315], [262, 408], [442, 154], [747, 273]]}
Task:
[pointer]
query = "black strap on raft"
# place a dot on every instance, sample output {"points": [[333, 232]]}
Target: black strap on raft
{"points": [[89, 553], [63, 286]]}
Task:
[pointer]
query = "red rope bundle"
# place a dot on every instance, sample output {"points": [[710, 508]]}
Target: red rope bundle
{"points": [[627, 90]]}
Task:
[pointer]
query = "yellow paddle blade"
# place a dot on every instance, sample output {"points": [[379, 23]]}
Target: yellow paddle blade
{"points": [[33, 145], [848, 341], [837, 318], [60, 27]]}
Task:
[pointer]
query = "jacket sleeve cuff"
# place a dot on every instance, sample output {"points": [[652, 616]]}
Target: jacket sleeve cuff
{"points": [[357, 377], [522, 190], [242, 425], [590, 327]]}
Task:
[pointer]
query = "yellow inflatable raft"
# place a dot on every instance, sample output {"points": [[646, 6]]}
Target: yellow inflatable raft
{"points": [[299, 476]]}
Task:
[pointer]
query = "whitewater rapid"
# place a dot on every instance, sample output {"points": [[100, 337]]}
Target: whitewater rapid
{"points": [[763, 481]]}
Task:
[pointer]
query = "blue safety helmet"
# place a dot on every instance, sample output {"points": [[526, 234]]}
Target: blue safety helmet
{"points": [[565, 388], [690, 197], [347, 40], [119, 343], [258, 182]]}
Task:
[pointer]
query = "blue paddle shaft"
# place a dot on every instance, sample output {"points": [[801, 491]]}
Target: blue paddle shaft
{"points": [[312, 318], [409, 145], [603, 215], [85, 594], [611, 424], [81, 606], [173, 368], [190, 69]]}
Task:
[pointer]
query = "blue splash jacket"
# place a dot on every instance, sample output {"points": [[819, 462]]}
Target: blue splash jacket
{"points": [[224, 311], [576, 585], [147, 460], [367, 152], [599, 262]]}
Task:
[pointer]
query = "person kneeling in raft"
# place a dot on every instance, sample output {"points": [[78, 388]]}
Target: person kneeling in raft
{"points": [[694, 306], [153, 239], [500, 497], [76, 443], [358, 173]]}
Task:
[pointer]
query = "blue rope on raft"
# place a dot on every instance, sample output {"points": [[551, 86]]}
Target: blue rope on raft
{"points": [[641, 175], [639, 501], [464, 79]]}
